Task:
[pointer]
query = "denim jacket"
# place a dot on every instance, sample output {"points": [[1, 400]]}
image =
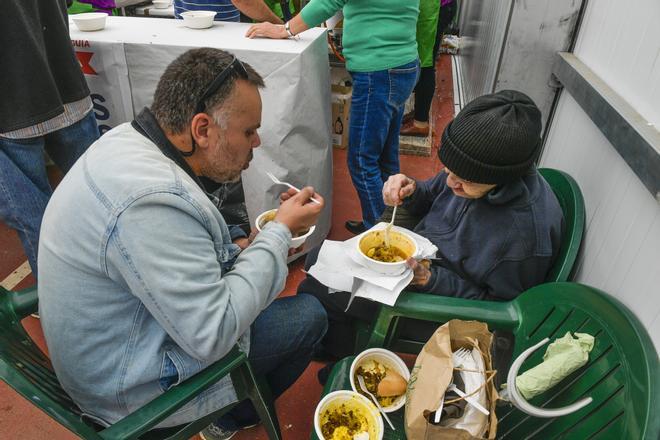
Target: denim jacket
{"points": [[136, 289], [494, 247]]}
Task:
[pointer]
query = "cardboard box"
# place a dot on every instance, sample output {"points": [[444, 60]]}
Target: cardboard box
{"points": [[341, 110]]}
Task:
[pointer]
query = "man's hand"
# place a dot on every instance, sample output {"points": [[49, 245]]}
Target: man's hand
{"points": [[397, 188], [267, 30], [242, 242], [421, 272], [297, 211]]}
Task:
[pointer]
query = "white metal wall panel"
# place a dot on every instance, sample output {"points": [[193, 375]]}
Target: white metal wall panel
{"points": [[483, 26], [620, 42], [621, 248]]}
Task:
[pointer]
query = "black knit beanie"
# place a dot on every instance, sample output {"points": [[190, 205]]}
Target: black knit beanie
{"points": [[494, 139]]}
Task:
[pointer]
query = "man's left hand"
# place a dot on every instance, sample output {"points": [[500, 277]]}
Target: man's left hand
{"points": [[421, 272], [242, 242]]}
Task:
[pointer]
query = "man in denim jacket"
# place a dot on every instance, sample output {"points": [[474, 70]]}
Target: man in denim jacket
{"points": [[143, 285]]}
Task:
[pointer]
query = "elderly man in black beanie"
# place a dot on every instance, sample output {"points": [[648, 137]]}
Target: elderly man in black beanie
{"points": [[494, 219]]}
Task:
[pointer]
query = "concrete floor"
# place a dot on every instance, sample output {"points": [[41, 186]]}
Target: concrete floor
{"points": [[19, 420]]}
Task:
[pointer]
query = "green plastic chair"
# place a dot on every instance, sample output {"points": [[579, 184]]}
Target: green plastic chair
{"points": [[29, 372], [571, 201], [622, 375]]}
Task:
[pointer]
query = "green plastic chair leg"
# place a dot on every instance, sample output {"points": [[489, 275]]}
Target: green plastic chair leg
{"points": [[246, 384]]}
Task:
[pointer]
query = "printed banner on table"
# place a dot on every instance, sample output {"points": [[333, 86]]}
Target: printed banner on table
{"points": [[106, 72]]}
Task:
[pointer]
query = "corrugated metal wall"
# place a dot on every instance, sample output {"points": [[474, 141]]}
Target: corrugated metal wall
{"points": [[511, 45], [620, 41], [483, 25]]}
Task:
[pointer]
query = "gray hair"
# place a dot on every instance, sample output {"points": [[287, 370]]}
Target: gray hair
{"points": [[184, 82]]}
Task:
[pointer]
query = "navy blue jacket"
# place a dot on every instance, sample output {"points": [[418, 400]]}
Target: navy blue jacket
{"points": [[494, 247]]}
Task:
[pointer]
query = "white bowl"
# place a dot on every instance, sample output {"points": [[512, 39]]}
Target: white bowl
{"points": [[90, 21], [345, 396], [296, 242], [160, 4], [198, 19], [389, 360], [373, 237]]}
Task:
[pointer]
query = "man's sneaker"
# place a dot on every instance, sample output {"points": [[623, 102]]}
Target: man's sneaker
{"points": [[215, 432]]}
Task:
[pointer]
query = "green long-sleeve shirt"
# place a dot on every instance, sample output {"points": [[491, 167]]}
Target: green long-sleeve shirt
{"points": [[378, 34]]}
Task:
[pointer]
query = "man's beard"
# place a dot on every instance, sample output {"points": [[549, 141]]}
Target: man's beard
{"points": [[214, 170]]}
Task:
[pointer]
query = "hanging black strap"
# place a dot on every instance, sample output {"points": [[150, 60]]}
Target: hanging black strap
{"points": [[147, 125], [286, 11]]}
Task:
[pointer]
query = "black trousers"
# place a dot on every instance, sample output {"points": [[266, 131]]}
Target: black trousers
{"points": [[425, 88]]}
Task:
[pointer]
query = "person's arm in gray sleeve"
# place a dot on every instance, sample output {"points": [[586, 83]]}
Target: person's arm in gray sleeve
{"points": [[161, 248]]}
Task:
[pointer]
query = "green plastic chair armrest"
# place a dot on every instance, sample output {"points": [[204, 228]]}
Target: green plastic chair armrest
{"points": [[154, 412], [502, 315], [23, 302]]}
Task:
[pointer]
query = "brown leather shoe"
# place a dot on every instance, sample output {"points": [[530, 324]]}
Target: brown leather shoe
{"points": [[412, 130], [408, 118]]}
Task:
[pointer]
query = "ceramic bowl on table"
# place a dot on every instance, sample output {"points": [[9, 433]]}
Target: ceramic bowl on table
{"points": [[198, 19], [336, 406], [269, 215], [89, 21], [379, 358], [401, 243], [161, 4]]}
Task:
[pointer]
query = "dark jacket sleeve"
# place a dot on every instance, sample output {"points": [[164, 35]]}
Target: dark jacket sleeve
{"points": [[506, 280], [447, 283], [419, 203]]}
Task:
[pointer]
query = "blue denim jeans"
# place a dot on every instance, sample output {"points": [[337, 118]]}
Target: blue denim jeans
{"points": [[282, 340], [373, 139], [24, 187]]}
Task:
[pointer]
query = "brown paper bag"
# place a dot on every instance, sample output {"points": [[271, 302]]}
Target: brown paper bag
{"points": [[432, 374]]}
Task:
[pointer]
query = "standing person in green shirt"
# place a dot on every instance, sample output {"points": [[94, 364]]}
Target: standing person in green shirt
{"points": [[434, 18], [381, 56]]}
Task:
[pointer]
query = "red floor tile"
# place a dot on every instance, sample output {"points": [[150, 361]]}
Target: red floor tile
{"points": [[19, 420]]}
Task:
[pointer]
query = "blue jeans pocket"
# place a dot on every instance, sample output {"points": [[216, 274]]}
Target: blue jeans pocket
{"points": [[407, 68], [169, 374]]}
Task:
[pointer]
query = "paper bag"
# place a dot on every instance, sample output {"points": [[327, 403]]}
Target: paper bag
{"points": [[432, 374]]}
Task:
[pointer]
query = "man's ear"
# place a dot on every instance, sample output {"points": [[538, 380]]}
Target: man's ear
{"points": [[199, 127]]}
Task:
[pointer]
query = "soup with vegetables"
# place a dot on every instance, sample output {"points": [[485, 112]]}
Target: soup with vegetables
{"points": [[345, 422]]}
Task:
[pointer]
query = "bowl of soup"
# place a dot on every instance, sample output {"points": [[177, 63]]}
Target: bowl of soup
{"points": [[379, 257], [385, 376], [347, 415], [269, 216]]}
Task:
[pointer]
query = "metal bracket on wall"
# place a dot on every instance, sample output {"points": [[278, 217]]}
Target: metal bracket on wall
{"points": [[633, 137]]}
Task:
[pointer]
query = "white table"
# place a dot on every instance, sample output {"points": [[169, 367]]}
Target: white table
{"points": [[124, 61]]}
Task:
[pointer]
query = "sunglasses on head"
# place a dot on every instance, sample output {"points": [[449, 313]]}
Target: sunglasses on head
{"points": [[235, 67]]}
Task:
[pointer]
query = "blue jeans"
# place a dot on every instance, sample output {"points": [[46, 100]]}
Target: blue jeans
{"points": [[377, 108], [24, 187], [282, 340]]}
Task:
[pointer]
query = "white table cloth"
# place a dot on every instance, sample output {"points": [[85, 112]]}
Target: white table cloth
{"points": [[124, 61]]}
